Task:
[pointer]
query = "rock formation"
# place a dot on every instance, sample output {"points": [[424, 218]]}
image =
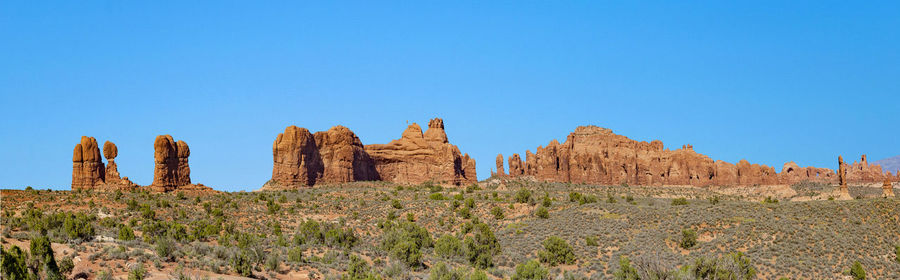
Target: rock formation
{"points": [[110, 151], [596, 155], [343, 157], [171, 164], [887, 188], [418, 157], [302, 159], [500, 170], [87, 166], [844, 193]]}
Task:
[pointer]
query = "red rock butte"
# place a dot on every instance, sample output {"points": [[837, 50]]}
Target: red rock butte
{"points": [[596, 155], [302, 159]]}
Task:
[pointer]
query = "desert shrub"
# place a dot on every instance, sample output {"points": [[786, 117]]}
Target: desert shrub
{"points": [[482, 246], [857, 271], [734, 266], [448, 246], [272, 262], [437, 196], [497, 212], [147, 212], [680, 201], [465, 212], [405, 241], [272, 207], [78, 226], [165, 248], [546, 201], [574, 197], [66, 265], [441, 271], [13, 262], [242, 263], [470, 203], [358, 269], [625, 270], [531, 270], [713, 200], [770, 200], [340, 237], [591, 241], [556, 251], [137, 273], [295, 254], [542, 212], [42, 254], [523, 196], [410, 217], [585, 199], [310, 233], [688, 238], [897, 253], [610, 198], [126, 233], [396, 204]]}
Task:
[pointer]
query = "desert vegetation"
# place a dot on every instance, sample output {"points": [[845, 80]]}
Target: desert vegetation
{"points": [[496, 229]]}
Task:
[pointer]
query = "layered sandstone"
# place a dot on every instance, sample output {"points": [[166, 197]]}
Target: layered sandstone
{"points": [[500, 170], [87, 166], [171, 169], [596, 155], [418, 157], [887, 188], [303, 159]]}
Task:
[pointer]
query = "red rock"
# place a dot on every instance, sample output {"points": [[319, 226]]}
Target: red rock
{"points": [[344, 157], [887, 188], [296, 160], [516, 166], [500, 170], [88, 171], [171, 164], [110, 151], [418, 157]]}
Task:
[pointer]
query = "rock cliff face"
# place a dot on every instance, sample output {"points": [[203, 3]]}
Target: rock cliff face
{"points": [[418, 157], [87, 166], [596, 155], [171, 168], [337, 155]]}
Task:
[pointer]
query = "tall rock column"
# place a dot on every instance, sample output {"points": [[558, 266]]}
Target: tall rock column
{"points": [[500, 170], [296, 158], [171, 168], [87, 167], [842, 178]]}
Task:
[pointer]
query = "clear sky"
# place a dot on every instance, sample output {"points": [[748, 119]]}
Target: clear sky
{"points": [[769, 81]]}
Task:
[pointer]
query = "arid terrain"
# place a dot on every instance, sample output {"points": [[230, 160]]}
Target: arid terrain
{"points": [[488, 230]]}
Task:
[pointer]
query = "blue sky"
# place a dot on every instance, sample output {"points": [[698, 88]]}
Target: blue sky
{"points": [[769, 81]]}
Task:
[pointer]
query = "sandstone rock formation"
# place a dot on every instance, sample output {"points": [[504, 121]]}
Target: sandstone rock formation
{"points": [[887, 188], [171, 164], [500, 170], [596, 155], [87, 166], [337, 156], [110, 151], [418, 157], [343, 157]]}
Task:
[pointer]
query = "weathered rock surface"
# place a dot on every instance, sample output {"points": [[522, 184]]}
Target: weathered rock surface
{"points": [[343, 156], [500, 170], [302, 159], [87, 166], [171, 168], [596, 155], [418, 157], [887, 188]]}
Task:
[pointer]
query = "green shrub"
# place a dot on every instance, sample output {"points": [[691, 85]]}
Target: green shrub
{"points": [[688, 238], [137, 273], [770, 200], [857, 271], [482, 246], [273, 261], [546, 201], [78, 226], [437, 196], [126, 233], [66, 265], [13, 262], [448, 246], [714, 200], [574, 197], [272, 207], [591, 241], [523, 196], [680, 201], [405, 241], [42, 254], [470, 203], [734, 266], [626, 271], [295, 254], [497, 212], [408, 253], [542, 212], [358, 269], [585, 199], [531, 270], [556, 251], [164, 248], [897, 253], [396, 204], [441, 271], [242, 263], [610, 198]]}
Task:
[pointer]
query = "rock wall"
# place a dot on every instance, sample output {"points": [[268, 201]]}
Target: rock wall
{"points": [[596, 155], [302, 159], [171, 169]]}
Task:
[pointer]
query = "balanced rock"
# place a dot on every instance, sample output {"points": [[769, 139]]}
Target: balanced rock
{"points": [[87, 166], [171, 168], [110, 151]]}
